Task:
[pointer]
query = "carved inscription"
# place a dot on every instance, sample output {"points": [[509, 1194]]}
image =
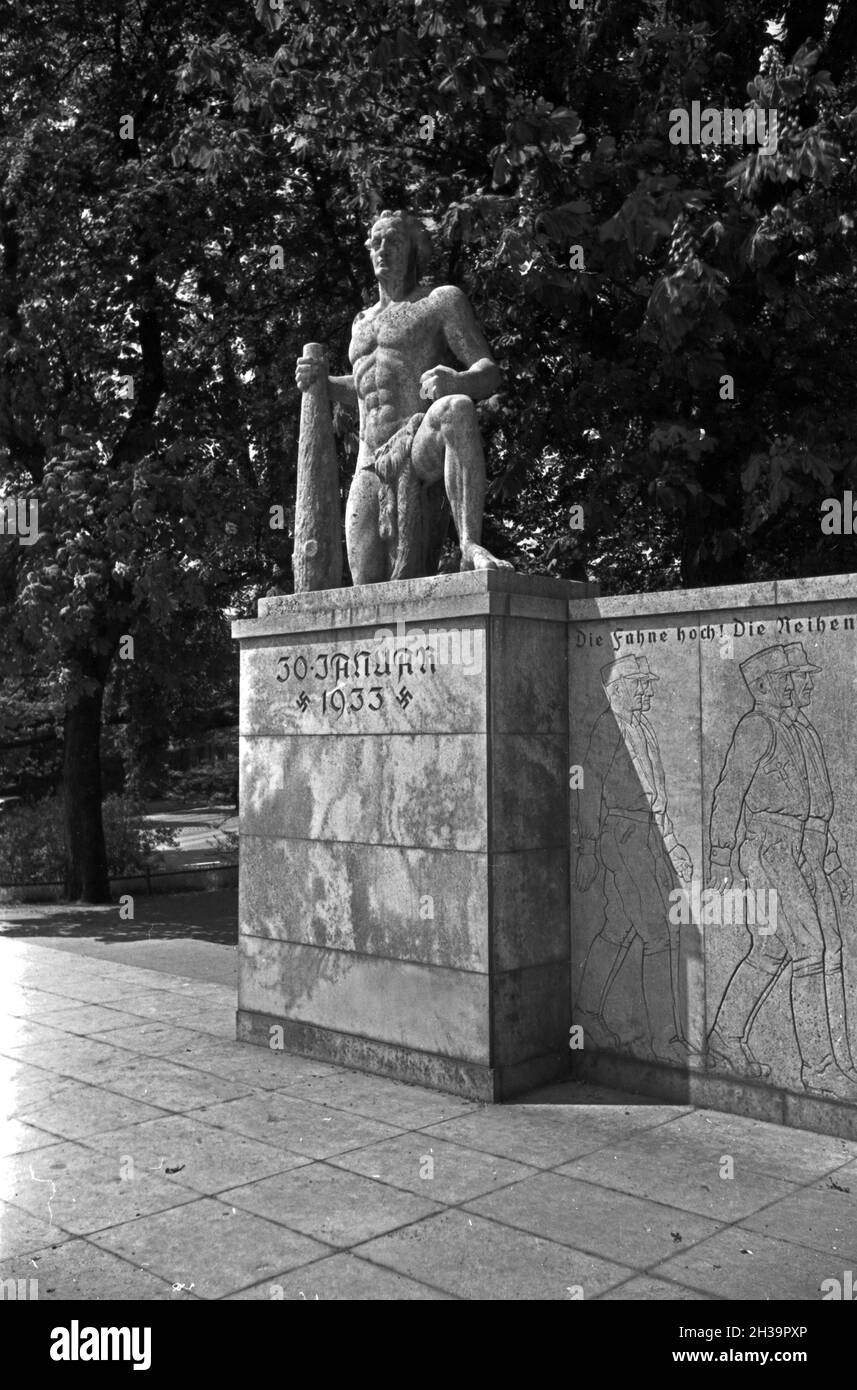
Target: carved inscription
{"points": [[344, 684]]}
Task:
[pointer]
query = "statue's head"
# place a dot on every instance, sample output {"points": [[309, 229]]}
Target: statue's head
{"points": [[399, 245]]}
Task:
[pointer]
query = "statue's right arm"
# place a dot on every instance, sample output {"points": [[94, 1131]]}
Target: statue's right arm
{"points": [[342, 389], [339, 388]]}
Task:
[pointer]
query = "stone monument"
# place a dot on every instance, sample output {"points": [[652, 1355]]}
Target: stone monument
{"points": [[494, 826], [404, 742]]}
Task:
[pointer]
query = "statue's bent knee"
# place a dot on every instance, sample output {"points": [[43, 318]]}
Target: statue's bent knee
{"points": [[455, 410]]}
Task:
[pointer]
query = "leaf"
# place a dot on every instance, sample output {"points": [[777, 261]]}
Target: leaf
{"points": [[502, 170]]}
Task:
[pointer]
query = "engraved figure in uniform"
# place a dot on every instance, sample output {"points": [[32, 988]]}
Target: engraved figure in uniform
{"points": [[418, 421], [759, 816], [820, 862], [624, 830]]}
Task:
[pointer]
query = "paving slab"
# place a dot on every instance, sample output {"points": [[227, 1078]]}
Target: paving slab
{"points": [[159, 1081], [78, 1270], [478, 1259], [210, 1248], [431, 1167], [743, 1264], [333, 1205], [411, 1107], [22, 1233], [194, 1155], [629, 1230], [298, 1125], [79, 1109], [17, 1137], [794, 1154], [819, 1216], [689, 1176], [80, 1190]]}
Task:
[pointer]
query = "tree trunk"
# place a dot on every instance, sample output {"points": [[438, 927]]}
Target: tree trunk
{"points": [[86, 877]]}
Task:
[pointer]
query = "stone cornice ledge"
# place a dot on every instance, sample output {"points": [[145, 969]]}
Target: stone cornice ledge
{"points": [[828, 588], [456, 597]]}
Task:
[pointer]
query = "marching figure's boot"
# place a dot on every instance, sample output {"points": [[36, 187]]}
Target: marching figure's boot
{"points": [[593, 992], [837, 1013], [819, 1073], [660, 1007], [728, 1049]]}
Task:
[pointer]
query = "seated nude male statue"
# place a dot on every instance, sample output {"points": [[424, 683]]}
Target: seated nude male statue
{"points": [[402, 351]]}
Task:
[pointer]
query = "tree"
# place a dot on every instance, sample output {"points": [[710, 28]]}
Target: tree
{"points": [[134, 305], [675, 322]]}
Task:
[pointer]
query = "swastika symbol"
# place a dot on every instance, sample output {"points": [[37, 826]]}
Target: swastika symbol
{"points": [[404, 697], [302, 701]]}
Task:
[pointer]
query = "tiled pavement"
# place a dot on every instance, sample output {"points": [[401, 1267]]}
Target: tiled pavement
{"points": [[146, 1155]]}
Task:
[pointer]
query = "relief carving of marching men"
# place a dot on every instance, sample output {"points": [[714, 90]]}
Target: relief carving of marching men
{"points": [[770, 836], [626, 841], [771, 824]]}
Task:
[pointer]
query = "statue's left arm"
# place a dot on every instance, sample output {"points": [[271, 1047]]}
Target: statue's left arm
{"points": [[464, 337]]}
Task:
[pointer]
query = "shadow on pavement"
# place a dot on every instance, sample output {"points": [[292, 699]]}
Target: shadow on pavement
{"points": [[189, 916]]}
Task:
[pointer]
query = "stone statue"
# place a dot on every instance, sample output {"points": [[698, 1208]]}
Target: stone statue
{"points": [[418, 425]]}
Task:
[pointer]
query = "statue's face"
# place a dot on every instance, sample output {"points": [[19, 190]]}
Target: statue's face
{"points": [[389, 247]]}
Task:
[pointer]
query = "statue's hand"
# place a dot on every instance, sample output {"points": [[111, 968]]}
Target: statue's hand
{"points": [[306, 373], [440, 381]]}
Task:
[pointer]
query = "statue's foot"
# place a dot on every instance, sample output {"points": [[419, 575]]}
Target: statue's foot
{"points": [[476, 557]]}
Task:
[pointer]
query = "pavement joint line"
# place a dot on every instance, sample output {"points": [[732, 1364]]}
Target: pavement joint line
{"points": [[797, 1183], [633, 1271], [140, 1269], [317, 1259], [99, 1230], [237, 1133], [663, 1279]]}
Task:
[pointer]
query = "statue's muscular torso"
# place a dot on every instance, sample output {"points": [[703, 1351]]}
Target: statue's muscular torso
{"points": [[390, 349]]}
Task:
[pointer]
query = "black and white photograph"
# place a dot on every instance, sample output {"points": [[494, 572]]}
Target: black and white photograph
{"points": [[428, 695]]}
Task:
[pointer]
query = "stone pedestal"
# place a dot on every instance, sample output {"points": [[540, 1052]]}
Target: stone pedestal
{"points": [[404, 880]]}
